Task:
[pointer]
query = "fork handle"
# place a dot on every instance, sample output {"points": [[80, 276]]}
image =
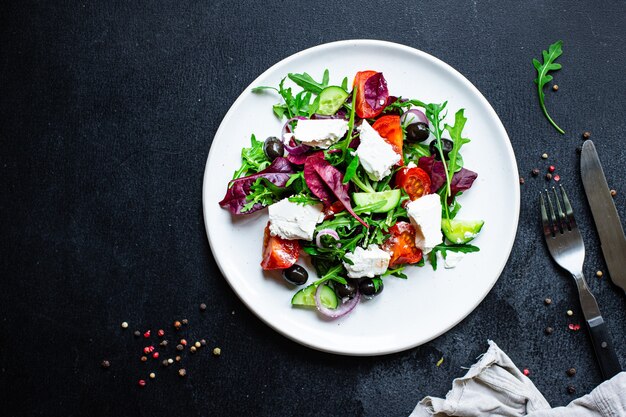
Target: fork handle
{"points": [[603, 346]]}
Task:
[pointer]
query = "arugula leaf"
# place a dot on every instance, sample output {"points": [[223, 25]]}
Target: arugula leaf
{"points": [[351, 169], [262, 88], [304, 199], [444, 249], [253, 159], [264, 192], [457, 141], [554, 51], [307, 82], [344, 83]]}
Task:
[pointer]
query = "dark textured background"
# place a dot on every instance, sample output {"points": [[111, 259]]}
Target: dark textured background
{"points": [[107, 112]]}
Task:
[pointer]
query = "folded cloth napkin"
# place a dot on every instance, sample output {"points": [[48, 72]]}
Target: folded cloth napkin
{"points": [[495, 387]]}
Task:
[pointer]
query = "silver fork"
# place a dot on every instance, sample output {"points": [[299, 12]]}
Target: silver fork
{"points": [[568, 250]]}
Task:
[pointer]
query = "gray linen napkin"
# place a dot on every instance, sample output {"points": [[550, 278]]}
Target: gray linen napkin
{"points": [[494, 386]]}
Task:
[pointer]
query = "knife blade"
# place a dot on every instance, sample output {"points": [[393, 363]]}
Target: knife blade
{"points": [[605, 214]]}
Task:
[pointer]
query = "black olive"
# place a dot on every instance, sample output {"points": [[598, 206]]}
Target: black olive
{"points": [[347, 290], [273, 148], [417, 132], [295, 275], [447, 147], [368, 288]]}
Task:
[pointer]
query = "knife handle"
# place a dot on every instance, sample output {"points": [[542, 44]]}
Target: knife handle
{"points": [[603, 346]]}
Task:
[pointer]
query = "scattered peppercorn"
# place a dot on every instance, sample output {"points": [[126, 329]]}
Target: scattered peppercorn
{"points": [[171, 361], [177, 324], [137, 333], [185, 321], [142, 383], [165, 362], [570, 313], [547, 301], [183, 342], [202, 307], [144, 358], [148, 349], [555, 87], [105, 364], [182, 372], [544, 156], [549, 330], [557, 178], [152, 375], [613, 193], [551, 168], [155, 355], [599, 274], [604, 345], [571, 389], [124, 325], [548, 176], [147, 334], [521, 180], [178, 358], [217, 351], [534, 172], [163, 343], [586, 134], [526, 372], [571, 371], [161, 333], [180, 347], [203, 342], [192, 349], [573, 326]]}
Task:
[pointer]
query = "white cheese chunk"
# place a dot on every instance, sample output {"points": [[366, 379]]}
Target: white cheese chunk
{"points": [[451, 260], [375, 155], [294, 221], [321, 132], [367, 262], [425, 215]]}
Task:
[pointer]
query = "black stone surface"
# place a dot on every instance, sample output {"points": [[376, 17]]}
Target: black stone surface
{"points": [[107, 112]]}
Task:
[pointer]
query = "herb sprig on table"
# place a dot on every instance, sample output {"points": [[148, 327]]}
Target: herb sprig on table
{"points": [[554, 51]]}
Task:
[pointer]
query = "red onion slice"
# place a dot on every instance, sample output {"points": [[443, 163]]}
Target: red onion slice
{"points": [[324, 232], [342, 310], [414, 116], [289, 143]]}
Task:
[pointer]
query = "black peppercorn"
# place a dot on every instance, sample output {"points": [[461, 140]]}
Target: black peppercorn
{"points": [[549, 330], [571, 372], [571, 389]]}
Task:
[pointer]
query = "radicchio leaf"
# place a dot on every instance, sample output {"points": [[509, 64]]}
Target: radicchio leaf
{"points": [[376, 92], [277, 173], [326, 181], [461, 180]]}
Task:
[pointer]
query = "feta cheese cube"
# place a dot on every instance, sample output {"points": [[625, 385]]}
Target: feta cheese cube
{"points": [[451, 260], [425, 215], [367, 262], [321, 133], [375, 155], [294, 221]]}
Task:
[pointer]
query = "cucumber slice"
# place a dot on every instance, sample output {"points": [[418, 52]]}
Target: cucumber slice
{"points": [[306, 297], [461, 231], [331, 100], [365, 199]]}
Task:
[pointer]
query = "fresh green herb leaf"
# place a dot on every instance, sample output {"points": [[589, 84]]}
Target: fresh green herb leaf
{"points": [[554, 51], [279, 110], [304, 199], [307, 82], [344, 83], [264, 192], [325, 78], [457, 141], [253, 159], [396, 272], [351, 169], [262, 88], [377, 283]]}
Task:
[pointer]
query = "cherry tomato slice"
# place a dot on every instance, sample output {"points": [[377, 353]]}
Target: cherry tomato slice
{"points": [[362, 109], [414, 181], [333, 209], [389, 128], [278, 253], [401, 245]]}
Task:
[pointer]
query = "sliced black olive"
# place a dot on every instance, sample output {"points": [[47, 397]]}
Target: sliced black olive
{"points": [[273, 148], [447, 147], [417, 132], [295, 275], [347, 290], [369, 289]]}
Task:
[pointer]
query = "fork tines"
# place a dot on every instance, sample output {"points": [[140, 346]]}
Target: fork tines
{"points": [[558, 221]]}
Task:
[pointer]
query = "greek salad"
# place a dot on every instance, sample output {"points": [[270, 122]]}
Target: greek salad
{"points": [[363, 182]]}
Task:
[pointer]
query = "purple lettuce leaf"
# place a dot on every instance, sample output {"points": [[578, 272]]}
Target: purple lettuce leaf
{"points": [[277, 173], [376, 92], [326, 181], [461, 180]]}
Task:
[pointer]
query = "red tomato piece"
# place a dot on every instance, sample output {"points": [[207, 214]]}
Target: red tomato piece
{"points": [[414, 181], [388, 127], [333, 209], [362, 109], [278, 253], [401, 245]]}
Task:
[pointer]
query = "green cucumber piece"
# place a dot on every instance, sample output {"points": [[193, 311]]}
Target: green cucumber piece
{"points": [[461, 231], [392, 197], [306, 297], [331, 100]]}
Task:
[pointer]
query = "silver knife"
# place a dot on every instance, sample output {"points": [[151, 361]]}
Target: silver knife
{"points": [[604, 214]]}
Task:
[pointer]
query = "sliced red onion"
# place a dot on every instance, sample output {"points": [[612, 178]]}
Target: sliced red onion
{"points": [[289, 143], [325, 232], [287, 127], [342, 310], [414, 116]]}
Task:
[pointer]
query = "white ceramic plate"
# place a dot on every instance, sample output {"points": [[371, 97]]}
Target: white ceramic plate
{"points": [[408, 312]]}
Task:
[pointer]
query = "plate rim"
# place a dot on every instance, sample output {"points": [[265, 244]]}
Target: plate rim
{"points": [[386, 44]]}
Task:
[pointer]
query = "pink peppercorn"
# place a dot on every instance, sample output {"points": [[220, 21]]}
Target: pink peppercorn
{"points": [[526, 371], [146, 334], [142, 382], [155, 355], [161, 333]]}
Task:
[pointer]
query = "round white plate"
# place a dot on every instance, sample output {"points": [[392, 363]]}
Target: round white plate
{"points": [[408, 312]]}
